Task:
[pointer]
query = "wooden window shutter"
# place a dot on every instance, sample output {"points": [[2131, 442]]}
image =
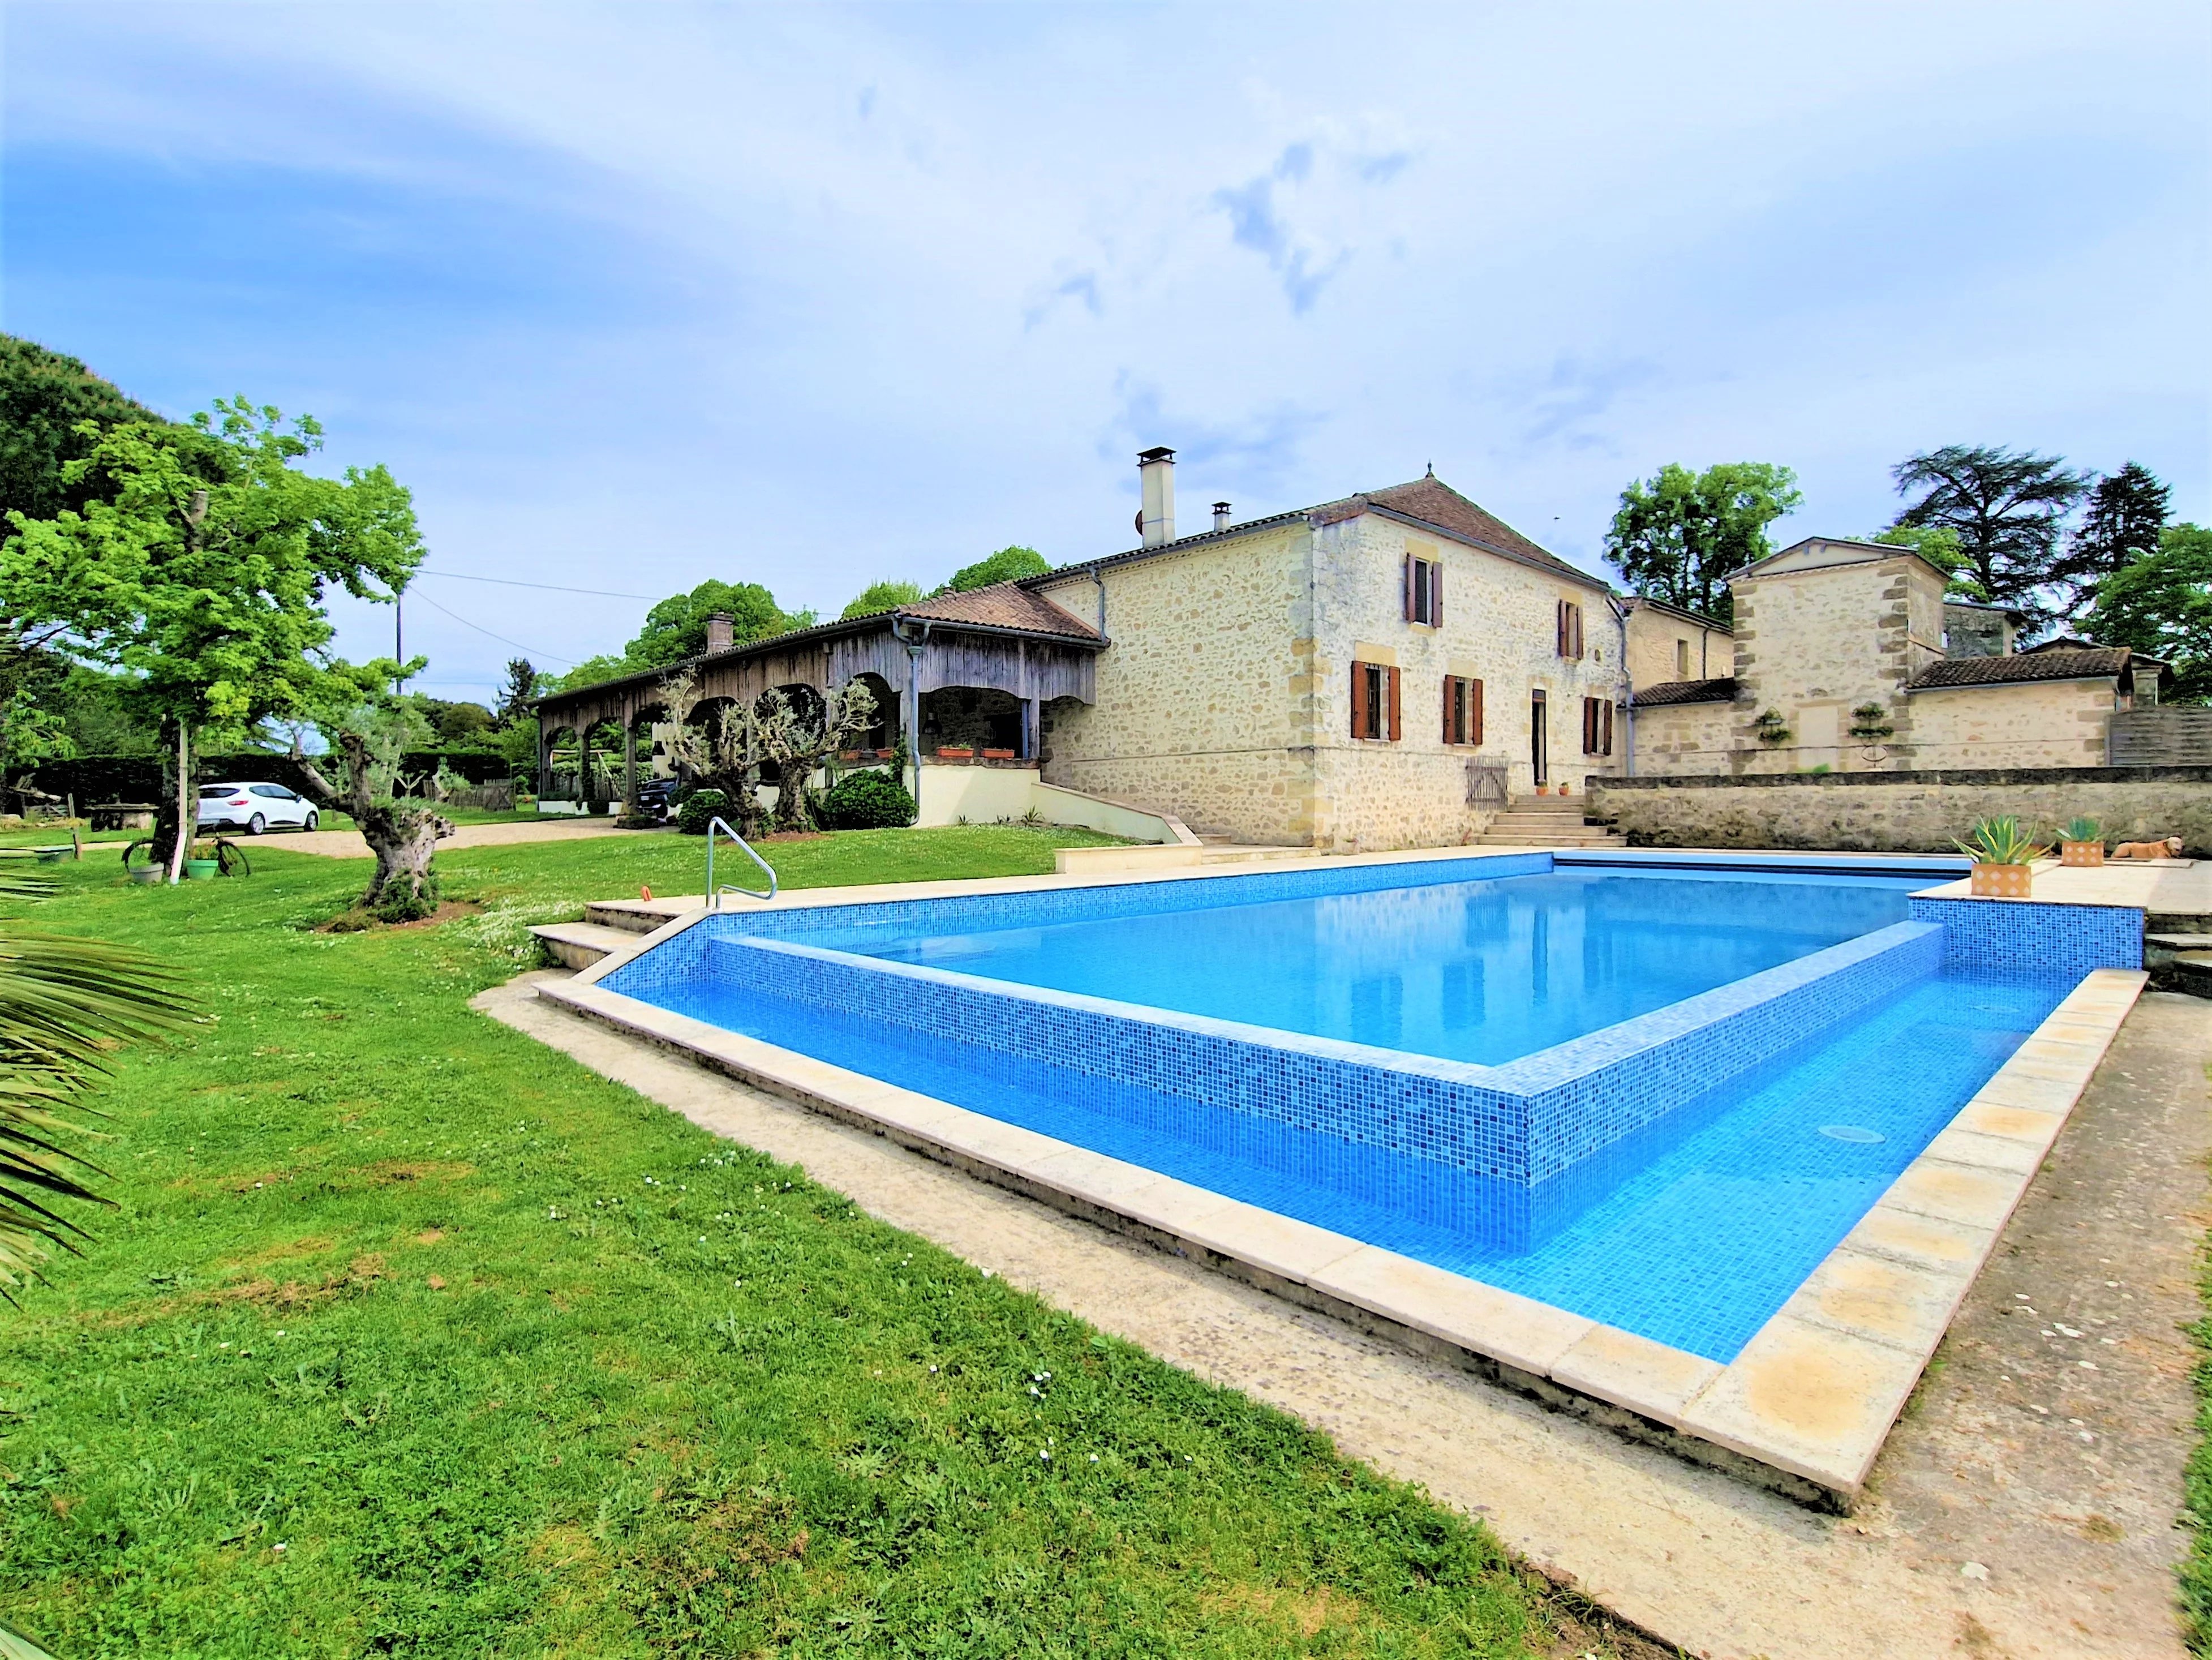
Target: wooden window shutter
{"points": [[1359, 700], [1451, 698], [1561, 616], [1474, 714], [1608, 726], [1589, 723], [1393, 673], [1409, 587], [1436, 593]]}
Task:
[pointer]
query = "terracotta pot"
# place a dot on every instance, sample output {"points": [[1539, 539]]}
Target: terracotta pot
{"points": [[1543, 789], [955, 752], [2002, 881], [998, 754], [2078, 853]]}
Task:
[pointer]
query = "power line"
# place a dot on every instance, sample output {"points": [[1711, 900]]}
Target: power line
{"points": [[549, 587], [502, 638]]}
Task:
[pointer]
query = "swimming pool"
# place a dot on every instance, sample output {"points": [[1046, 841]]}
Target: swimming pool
{"points": [[1656, 1097]]}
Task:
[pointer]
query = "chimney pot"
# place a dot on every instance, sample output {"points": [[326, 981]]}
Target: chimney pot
{"points": [[720, 627], [1156, 477], [1221, 515]]}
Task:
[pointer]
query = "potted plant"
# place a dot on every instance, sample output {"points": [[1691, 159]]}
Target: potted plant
{"points": [[956, 751], [998, 754], [2004, 856], [202, 863], [2081, 842]]}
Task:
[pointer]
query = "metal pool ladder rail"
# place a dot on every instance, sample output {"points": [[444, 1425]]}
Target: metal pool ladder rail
{"points": [[716, 826]]}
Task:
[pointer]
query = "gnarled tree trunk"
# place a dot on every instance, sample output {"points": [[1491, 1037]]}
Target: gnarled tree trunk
{"points": [[402, 834]]}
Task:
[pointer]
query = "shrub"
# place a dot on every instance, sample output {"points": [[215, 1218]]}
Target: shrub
{"points": [[699, 808], [401, 903], [866, 800]]}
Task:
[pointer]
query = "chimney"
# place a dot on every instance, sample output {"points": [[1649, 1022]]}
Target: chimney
{"points": [[719, 629], [1221, 515], [1156, 474]]}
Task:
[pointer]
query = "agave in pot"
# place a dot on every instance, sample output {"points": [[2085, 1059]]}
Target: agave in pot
{"points": [[2081, 842], [2004, 855]]}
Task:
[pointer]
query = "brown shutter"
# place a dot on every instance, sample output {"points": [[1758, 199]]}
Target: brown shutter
{"points": [[1576, 611], [1393, 673], [1451, 689], [1436, 593], [1608, 726], [1590, 722], [1474, 697], [1560, 612], [1409, 587], [1359, 700]]}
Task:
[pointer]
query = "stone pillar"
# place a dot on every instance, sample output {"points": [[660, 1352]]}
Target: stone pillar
{"points": [[630, 758], [544, 758]]}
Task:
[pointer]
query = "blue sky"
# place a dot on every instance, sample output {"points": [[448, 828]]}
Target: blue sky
{"points": [[638, 295]]}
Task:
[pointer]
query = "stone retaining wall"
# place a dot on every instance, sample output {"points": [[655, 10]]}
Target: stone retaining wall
{"points": [[1904, 811]]}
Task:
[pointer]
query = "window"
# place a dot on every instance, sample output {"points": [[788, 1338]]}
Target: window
{"points": [[1570, 628], [1463, 710], [1681, 659], [1374, 702], [1425, 591], [1597, 726]]}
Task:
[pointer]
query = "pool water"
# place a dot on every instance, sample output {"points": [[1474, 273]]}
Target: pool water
{"points": [[1484, 971], [1690, 1225]]}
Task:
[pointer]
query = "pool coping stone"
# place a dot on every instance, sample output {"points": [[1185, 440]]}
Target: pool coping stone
{"points": [[1809, 1400]]}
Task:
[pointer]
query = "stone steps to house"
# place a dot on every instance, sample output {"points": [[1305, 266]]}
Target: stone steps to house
{"points": [[579, 944], [2188, 972], [1547, 839]]}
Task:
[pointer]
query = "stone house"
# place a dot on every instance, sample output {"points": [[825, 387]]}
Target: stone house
{"points": [[1381, 671], [1846, 657]]}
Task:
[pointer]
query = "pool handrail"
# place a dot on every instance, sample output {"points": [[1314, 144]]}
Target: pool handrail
{"points": [[714, 894]]}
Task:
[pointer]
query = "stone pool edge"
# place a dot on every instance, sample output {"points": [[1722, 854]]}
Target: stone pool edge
{"points": [[1803, 1409]]}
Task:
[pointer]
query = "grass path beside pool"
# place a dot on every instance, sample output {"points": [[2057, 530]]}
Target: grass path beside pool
{"points": [[410, 1337]]}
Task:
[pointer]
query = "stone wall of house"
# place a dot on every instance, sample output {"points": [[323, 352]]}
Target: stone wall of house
{"points": [[1199, 693], [1500, 626], [1687, 738], [1663, 648], [2047, 723], [1905, 812], [1813, 646]]}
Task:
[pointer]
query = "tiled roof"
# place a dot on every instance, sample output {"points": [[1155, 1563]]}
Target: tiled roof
{"points": [[1002, 605], [2023, 666], [1435, 502], [1722, 690], [1645, 602]]}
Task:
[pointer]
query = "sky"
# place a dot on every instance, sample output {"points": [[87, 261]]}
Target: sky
{"points": [[635, 296]]}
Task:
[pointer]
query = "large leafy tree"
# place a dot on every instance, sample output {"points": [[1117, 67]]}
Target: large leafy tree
{"points": [[882, 596], [1677, 535], [677, 628], [47, 399], [1006, 565], [2161, 604], [2123, 523], [201, 575], [2009, 510]]}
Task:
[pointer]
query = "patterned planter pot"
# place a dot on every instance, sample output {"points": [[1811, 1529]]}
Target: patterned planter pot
{"points": [[2002, 881], [2080, 853]]}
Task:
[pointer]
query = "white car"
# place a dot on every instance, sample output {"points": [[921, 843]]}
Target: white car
{"points": [[254, 808]]}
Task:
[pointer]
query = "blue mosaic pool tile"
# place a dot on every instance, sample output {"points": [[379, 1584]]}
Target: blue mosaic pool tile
{"points": [[2068, 940]]}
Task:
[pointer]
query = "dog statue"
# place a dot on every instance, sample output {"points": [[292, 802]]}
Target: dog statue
{"points": [[2169, 848]]}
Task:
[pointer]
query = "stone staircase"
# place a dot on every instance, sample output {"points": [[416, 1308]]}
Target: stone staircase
{"points": [[608, 926], [1220, 851], [2178, 952], [1546, 821]]}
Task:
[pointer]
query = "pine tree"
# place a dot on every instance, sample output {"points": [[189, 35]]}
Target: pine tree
{"points": [[514, 696], [2126, 515], [2009, 507]]}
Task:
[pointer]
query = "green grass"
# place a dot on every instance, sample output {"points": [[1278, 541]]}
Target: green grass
{"points": [[511, 1362]]}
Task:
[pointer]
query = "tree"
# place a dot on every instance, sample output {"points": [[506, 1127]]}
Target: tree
{"points": [[1006, 565], [882, 596], [1676, 538], [2162, 605], [202, 578], [457, 725], [518, 694], [1937, 543], [403, 832], [2126, 515], [2007, 507], [797, 733], [677, 628], [66, 1004], [46, 401]]}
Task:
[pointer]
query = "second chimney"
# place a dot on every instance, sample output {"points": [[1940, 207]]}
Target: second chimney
{"points": [[1221, 515], [719, 629], [1155, 475]]}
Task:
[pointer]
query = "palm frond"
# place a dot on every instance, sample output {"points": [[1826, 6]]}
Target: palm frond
{"points": [[66, 1005]]}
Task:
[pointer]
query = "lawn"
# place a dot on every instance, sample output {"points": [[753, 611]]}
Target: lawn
{"points": [[409, 1336]]}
